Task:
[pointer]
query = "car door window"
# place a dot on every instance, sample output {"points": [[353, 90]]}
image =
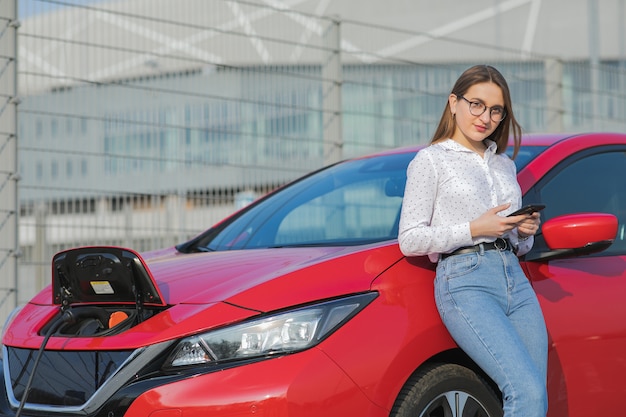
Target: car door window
{"points": [[595, 182]]}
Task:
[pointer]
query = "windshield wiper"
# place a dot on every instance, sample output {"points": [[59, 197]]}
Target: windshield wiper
{"points": [[203, 249]]}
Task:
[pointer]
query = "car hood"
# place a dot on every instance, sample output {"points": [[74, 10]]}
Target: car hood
{"points": [[259, 279], [268, 279], [202, 291]]}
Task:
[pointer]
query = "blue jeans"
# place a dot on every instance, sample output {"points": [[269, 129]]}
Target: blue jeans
{"points": [[492, 312]]}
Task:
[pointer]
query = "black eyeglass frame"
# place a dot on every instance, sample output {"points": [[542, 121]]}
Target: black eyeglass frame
{"points": [[491, 109]]}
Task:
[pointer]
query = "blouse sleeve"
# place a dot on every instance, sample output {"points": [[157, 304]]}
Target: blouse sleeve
{"points": [[417, 235], [522, 246]]}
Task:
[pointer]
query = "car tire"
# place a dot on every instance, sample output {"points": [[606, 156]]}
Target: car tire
{"points": [[447, 390]]}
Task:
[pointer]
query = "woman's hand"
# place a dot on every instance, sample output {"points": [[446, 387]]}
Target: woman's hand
{"points": [[491, 224], [528, 225]]}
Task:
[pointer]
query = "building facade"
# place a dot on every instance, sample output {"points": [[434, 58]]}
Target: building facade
{"points": [[143, 122]]}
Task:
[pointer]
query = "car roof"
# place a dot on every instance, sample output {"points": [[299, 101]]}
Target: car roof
{"points": [[530, 139]]}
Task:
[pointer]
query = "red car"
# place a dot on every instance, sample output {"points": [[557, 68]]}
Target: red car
{"points": [[301, 304]]}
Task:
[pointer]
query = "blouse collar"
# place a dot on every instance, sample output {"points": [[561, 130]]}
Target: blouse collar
{"points": [[453, 145]]}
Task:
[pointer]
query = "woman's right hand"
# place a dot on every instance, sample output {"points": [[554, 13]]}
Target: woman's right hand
{"points": [[491, 224]]}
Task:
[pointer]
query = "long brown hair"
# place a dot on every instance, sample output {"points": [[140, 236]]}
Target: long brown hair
{"points": [[476, 75]]}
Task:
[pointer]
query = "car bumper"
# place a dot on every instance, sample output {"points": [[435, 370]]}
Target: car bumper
{"points": [[304, 384]]}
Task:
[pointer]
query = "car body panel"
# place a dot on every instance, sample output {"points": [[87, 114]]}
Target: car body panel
{"points": [[288, 386], [203, 278], [392, 335], [582, 297], [175, 322], [251, 279], [405, 332], [587, 350], [557, 151]]}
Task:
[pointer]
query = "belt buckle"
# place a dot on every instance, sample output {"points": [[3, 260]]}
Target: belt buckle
{"points": [[500, 244]]}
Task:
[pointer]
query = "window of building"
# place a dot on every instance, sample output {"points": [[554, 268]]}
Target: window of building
{"points": [[54, 128], [54, 170], [38, 128]]}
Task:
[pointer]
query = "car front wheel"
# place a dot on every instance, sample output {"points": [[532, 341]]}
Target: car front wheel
{"points": [[447, 390]]}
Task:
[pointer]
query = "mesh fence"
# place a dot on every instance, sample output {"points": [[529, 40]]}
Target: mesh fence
{"points": [[143, 123]]}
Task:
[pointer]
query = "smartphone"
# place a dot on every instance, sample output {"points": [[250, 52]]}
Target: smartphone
{"points": [[528, 209]]}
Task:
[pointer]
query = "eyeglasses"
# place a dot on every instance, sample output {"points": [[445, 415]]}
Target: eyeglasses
{"points": [[476, 108]]}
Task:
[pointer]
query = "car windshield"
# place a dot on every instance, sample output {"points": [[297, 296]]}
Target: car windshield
{"points": [[350, 203], [525, 155]]}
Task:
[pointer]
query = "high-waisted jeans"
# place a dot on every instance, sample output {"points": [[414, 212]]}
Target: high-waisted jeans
{"points": [[492, 312]]}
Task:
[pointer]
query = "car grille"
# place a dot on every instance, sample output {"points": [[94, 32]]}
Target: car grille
{"points": [[63, 378]]}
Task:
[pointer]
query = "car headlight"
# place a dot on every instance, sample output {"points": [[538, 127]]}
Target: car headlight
{"points": [[284, 332]]}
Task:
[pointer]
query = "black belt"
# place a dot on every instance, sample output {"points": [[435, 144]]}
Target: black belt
{"points": [[499, 244]]}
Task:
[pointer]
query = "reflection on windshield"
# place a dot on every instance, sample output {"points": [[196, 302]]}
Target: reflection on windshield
{"points": [[525, 155], [351, 203]]}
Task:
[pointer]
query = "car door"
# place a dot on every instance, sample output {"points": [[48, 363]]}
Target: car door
{"points": [[584, 297]]}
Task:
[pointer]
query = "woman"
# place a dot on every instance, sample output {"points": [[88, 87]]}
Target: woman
{"points": [[458, 194]]}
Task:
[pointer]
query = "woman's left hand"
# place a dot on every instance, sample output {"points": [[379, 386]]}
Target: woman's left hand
{"points": [[529, 225]]}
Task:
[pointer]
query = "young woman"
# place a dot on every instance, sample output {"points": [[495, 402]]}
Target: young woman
{"points": [[458, 194]]}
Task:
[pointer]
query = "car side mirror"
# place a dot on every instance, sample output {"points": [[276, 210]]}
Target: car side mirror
{"points": [[577, 234]]}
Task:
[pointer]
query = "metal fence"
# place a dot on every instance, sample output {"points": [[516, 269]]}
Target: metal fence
{"points": [[141, 128]]}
